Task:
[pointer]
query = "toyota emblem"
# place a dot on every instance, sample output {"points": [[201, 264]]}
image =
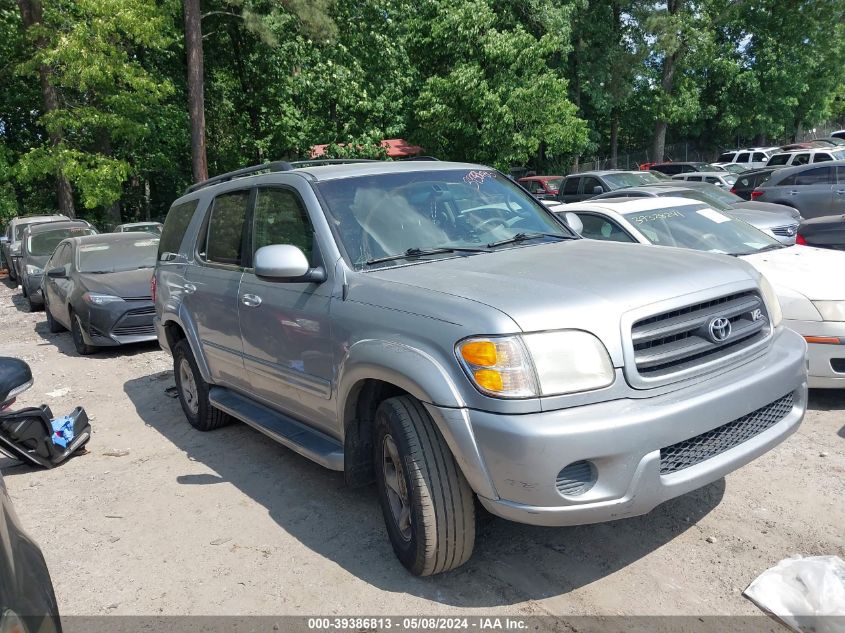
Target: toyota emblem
{"points": [[720, 329]]}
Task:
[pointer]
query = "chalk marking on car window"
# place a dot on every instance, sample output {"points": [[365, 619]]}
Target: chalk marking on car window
{"points": [[715, 216]]}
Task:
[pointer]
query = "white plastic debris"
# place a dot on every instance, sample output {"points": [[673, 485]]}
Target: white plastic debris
{"points": [[806, 594]]}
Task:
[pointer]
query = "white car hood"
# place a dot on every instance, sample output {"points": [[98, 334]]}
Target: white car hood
{"points": [[802, 272]]}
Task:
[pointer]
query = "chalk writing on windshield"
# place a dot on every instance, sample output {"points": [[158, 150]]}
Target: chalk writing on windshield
{"points": [[653, 217]]}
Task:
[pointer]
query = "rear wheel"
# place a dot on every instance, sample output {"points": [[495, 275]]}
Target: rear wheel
{"points": [[82, 348], [428, 505], [193, 391]]}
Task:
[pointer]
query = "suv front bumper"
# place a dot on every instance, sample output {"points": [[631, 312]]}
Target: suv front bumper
{"points": [[522, 455]]}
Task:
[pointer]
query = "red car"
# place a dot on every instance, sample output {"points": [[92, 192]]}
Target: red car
{"points": [[542, 187]]}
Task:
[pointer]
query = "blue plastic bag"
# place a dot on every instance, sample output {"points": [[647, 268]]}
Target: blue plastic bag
{"points": [[62, 431]]}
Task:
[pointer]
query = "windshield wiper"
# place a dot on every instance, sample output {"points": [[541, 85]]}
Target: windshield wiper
{"points": [[96, 272], [419, 252], [522, 237], [770, 247]]}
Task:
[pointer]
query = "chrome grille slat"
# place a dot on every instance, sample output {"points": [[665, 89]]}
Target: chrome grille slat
{"points": [[679, 340]]}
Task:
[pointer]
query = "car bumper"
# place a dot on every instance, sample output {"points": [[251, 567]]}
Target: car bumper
{"points": [[32, 283], [522, 456], [826, 361], [120, 324]]}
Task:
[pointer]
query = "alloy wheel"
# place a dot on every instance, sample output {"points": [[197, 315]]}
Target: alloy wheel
{"points": [[396, 488]]}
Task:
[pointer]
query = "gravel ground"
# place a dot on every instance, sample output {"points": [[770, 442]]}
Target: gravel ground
{"points": [[157, 518]]}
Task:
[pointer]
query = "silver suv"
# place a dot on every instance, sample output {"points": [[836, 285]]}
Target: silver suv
{"points": [[432, 327]]}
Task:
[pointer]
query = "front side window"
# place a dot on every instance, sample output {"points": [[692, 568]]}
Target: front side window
{"points": [[571, 185], [597, 227], [759, 157], [280, 218], [727, 157], [743, 157], [224, 241], [386, 215], [779, 159], [801, 159], [820, 158], [590, 185]]}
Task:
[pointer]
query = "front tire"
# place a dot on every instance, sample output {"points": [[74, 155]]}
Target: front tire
{"points": [[427, 503], [82, 348], [193, 391], [54, 326]]}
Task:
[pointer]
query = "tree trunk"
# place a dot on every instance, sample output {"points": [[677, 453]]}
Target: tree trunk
{"points": [[614, 138], [32, 15], [667, 85], [798, 134], [147, 199], [196, 100]]}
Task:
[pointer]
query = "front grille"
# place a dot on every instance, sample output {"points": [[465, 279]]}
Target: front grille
{"points": [[681, 339], [142, 311], [701, 447], [786, 231], [137, 298], [134, 330]]}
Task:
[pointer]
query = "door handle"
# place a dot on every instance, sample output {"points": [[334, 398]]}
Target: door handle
{"points": [[251, 301], [189, 289], [793, 192], [841, 192]]}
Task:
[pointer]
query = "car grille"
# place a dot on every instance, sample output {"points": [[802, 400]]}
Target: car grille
{"points": [[702, 447], [681, 339], [134, 330], [142, 311], [789, 230]]}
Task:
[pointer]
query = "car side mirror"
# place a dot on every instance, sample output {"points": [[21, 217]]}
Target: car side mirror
{"points": [[598, 189], [573, 222], [4, 239], [57, 273], [285, 262]]}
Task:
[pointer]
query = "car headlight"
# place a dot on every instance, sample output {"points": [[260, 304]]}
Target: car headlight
{"points": [[831, 310], [541, 364], [33, 270], [15, 250], [99, 300], [770, 298]]}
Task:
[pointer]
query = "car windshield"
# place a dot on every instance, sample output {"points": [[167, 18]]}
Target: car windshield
{"points": [[554, 183], [385, 215], [630, 179], [839, 154], [701, 196], [46, 242], [143, 228], [701, 228], [115, 257]]}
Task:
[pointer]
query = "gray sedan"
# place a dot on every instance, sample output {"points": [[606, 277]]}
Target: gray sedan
{"points": [[98, 287], [776, 220]]}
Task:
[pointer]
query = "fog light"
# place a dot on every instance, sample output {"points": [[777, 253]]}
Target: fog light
{"points": [[576, 479]]}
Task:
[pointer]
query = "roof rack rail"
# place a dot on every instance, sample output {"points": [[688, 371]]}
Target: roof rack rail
{"points": [[279, 165]]}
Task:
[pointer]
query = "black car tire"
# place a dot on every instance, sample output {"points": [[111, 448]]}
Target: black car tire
{"points": [[439, 532], [202, 415], [54, 326], [82, 348]]}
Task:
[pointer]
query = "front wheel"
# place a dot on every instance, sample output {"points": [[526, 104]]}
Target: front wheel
{"points": [[82, 348], [54, 326], [427, 503]]}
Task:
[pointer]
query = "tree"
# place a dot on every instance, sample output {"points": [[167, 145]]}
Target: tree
{"points": [[196, 100]]}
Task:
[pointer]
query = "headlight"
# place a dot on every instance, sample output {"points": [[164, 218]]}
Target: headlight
{"points": [[33, 270], [15, 250], [542, 364], [99, 300], [772, 303], [831, 310]]}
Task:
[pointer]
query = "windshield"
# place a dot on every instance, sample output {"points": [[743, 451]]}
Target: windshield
{"points": [[45, 243], [554, 183], [115, 257], [143, 228], [630, 179], [701, 196], [839, 154], [389, 214], [701, 228]]}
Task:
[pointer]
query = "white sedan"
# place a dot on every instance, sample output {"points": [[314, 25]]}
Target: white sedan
{"points": [[808, 281]]}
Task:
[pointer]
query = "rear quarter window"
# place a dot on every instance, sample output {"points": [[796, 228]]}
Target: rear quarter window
{"points": [[178, 219]]}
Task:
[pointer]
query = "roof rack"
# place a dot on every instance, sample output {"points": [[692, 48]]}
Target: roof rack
{"points": [[279, 165]]}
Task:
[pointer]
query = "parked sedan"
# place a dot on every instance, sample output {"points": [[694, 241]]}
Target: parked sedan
{"points": [[824, 232], [673, 168], [775, 220], [140, 227], [98, 287], [11, 241], [807, 280], [722, 179], [38, 243], [815, 190], [27, 599]]}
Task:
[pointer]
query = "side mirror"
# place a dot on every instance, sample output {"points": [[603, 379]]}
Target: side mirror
{"points": [[4, 239], [285, 262], [57, 273], [598, 189], [573, 222]]}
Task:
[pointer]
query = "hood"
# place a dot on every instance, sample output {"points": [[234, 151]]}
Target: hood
{"points": [[130, 283], [581, 284], [769, 207], [816, 273]]}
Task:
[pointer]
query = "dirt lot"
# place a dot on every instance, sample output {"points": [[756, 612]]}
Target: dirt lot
{"points": [[182, 522]]}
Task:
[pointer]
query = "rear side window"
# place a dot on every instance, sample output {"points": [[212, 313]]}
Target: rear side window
{"points": [[759, 157], [743, 157], [224, 241], [571, 185], [280, 218], [801, 159], [696, 178], [727, 157], [178, 219], [820, 176], [779, 159], [820, 158]]}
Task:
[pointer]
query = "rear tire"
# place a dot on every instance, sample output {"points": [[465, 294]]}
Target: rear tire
{"points": [[427, 503], [82, 348], [193, 391], [54, 326]]}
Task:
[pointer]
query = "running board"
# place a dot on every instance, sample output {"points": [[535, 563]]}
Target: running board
{"points": [[308, 442]]}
